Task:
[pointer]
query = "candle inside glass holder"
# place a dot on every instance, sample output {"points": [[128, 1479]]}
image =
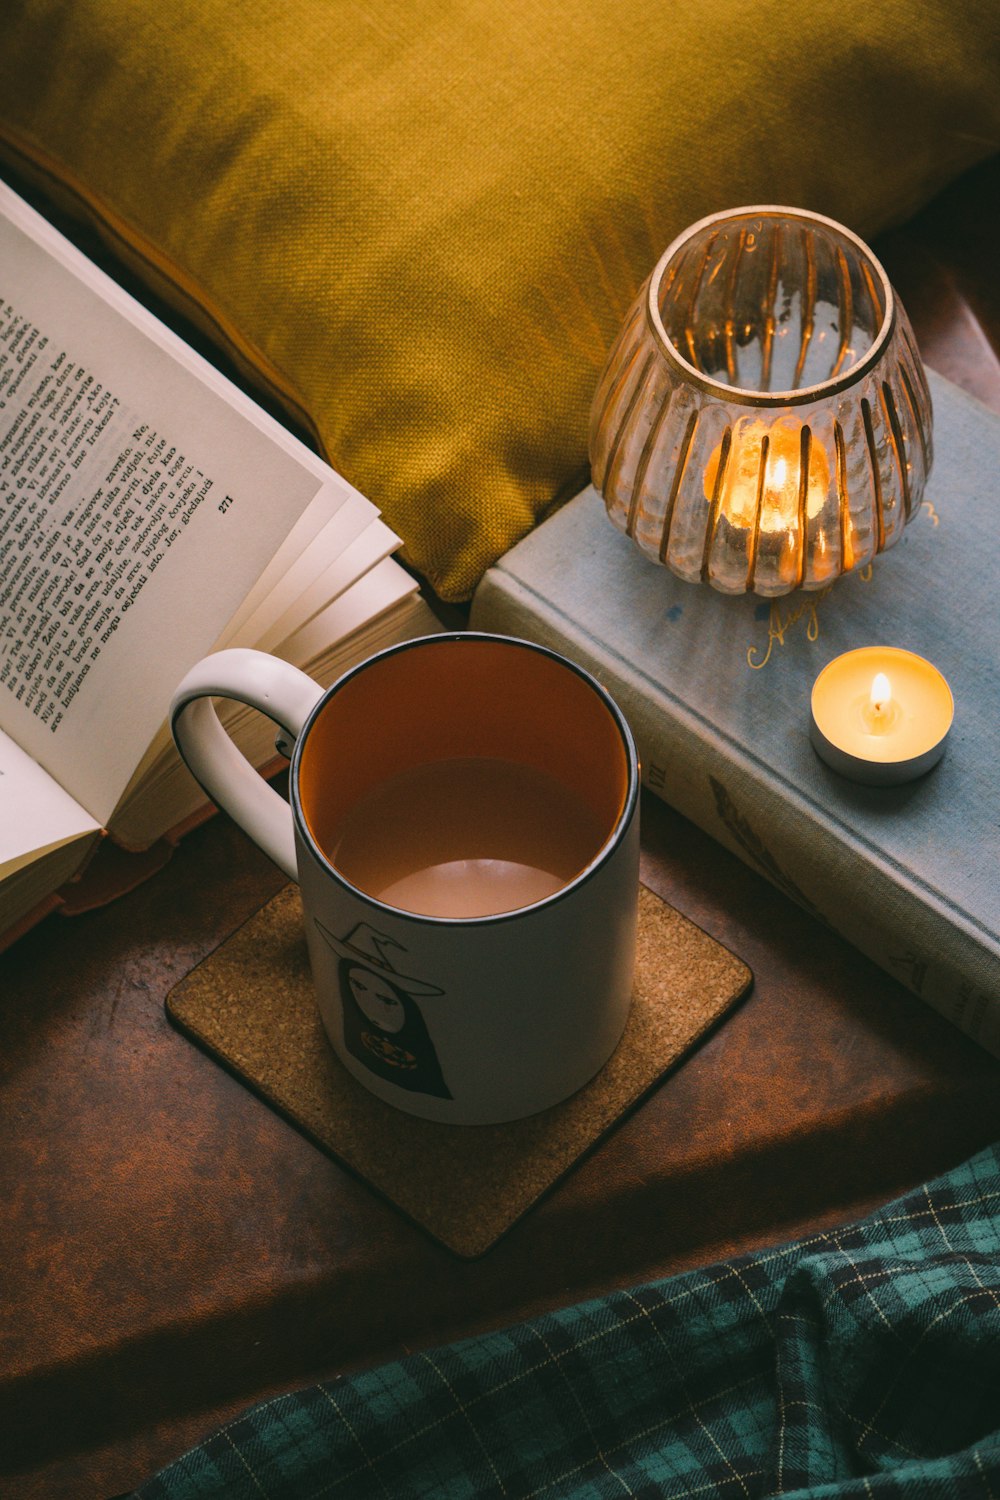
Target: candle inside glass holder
{"points": [[771, 483], [763, 422]]}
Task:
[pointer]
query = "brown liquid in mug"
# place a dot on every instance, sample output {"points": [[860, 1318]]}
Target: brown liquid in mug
{"points": [[466, 838]]}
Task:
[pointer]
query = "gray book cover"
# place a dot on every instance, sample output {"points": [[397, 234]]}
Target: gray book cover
{"points": [[717, 690]]}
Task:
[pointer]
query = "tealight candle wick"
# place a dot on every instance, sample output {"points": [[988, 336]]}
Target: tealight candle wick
{"points": [[879, 713], [881, 691]]}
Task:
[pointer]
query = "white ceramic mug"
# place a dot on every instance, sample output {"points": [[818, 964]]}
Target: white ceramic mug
{"points": [[473, 1019]]}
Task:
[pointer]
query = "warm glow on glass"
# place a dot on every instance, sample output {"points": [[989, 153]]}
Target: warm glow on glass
{"points": [[764, 474], [763, 422]]}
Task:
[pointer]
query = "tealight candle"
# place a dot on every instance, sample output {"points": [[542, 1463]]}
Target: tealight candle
{"points": [[880, 715]]}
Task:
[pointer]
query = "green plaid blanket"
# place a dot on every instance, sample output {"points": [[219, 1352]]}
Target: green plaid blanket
{"points": [[860, 1362]]}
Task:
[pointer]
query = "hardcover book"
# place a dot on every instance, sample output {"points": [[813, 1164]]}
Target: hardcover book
{"points": [[717, 691], [150, 512]]}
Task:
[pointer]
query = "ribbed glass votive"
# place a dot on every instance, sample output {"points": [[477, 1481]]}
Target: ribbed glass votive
{"points": [[763, 420]]}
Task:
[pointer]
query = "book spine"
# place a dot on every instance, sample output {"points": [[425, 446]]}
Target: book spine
{"points": [[879, 910]]}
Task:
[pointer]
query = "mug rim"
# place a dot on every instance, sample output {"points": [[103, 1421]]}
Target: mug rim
{"points": [[742, 395], [608, 848]]}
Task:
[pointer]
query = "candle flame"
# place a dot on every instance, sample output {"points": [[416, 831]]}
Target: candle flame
{"points": [[763, 477], [881, 693]]}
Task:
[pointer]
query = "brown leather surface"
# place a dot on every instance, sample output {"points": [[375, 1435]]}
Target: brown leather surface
{"points": [[173, 1250]]}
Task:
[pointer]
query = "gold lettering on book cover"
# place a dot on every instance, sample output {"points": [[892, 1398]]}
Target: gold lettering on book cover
{"points": [[780, 620], [782, 617]]}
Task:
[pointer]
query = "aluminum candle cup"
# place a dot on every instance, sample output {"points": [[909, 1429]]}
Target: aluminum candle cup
{"points": [[880, 716], [464, 830]]}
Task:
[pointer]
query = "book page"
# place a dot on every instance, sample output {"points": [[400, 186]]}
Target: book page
{"points": [[168, 795], [36, 815], [373, 546], [378, 590], [138, 505], [302, 540], [262, 606]]}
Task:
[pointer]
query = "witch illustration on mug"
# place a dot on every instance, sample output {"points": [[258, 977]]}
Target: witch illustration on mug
{"points": [[384, 1028]]}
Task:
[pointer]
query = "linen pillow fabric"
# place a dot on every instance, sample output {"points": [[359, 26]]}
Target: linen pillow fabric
{"points": [[420, 226]]}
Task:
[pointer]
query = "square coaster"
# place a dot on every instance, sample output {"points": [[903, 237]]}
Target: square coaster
{"points": [[251, 1005]]}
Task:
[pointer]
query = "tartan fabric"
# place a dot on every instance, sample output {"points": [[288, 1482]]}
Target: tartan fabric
{"points": [[864, 1362]]}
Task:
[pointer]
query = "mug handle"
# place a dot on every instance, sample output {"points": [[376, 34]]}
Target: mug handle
{"points": [[278, 690]]}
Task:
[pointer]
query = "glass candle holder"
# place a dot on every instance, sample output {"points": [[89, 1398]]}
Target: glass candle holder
{"points": [[763, 422]]}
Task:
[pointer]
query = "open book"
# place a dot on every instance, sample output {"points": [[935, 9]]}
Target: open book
{"points": [[150, 512]]}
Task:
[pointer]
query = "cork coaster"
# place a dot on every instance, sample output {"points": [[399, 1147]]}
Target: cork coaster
{"points": [[251, 1005]]}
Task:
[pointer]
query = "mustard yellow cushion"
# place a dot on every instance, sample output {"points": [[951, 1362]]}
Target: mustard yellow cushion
{"points": [[420, 224]]}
